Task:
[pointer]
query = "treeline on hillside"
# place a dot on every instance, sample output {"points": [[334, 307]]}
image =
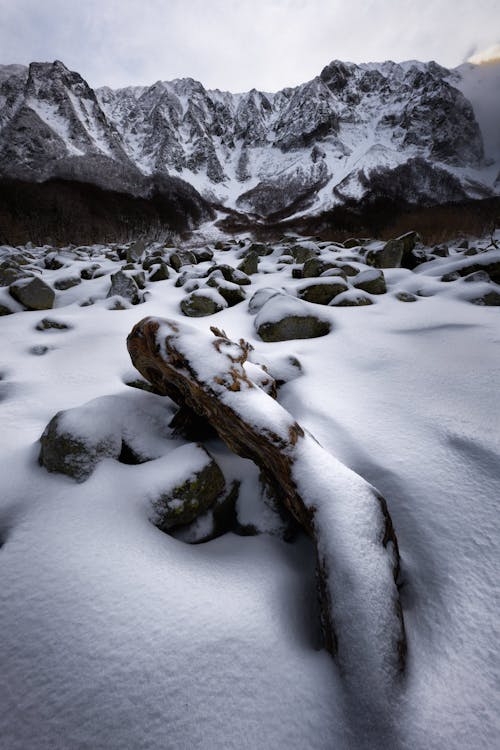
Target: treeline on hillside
{"points": [[61, 212], [382, 218]]}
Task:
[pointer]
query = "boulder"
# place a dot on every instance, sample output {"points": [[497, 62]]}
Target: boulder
{"points": [[33, 293], [203, 302], [490, 299], [233, 274], [250, 263], [159, 272], [136, 251], [322, 291], [9, 273], [202, 254], [67, 282], [260, 297], [351, 298], [182, 258], [4, 310], [395, 253], [316, 266], [371, 281], [232, 293], [67, 447], [284, 318], [198, 483], [124, 286], [260, 248]]}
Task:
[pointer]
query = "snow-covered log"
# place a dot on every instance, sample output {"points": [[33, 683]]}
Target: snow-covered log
{"points": [[348, 520]]}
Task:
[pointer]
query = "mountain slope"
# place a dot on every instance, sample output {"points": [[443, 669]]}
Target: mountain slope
{"points": [[352, 132]]}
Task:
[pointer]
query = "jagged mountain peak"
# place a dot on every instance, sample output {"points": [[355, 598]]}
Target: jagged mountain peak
{"points": [[302, 148]]}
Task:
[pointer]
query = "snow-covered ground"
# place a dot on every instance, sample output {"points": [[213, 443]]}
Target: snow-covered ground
{"points": [[118, 636]]}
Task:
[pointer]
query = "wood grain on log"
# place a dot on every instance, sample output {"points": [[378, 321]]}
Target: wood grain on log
{"points": [[356, 547]]}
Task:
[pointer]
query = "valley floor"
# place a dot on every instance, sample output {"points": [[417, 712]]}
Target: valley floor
{"points": [[118, 636]]}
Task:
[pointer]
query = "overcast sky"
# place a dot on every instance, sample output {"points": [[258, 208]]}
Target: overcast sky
{"points": [[238, 44]]}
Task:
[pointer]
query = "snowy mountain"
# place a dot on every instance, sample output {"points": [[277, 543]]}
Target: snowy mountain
{"points": [[353, 132]]}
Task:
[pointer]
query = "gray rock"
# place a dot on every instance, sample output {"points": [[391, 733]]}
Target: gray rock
{"points": [[124, 286], [33, 293], [9, 273], [4, 310], [67, 283], [159, 272], [202, 254], [250, 263], [490, 299], [199, 304], [322, 291], [232, 293], [284, 318], [65, 451], [49, 324], [395, 253], [371, 281], [315, 267], [351, 300], [136, 251], [181, 504], [182, 258], [406, 297]]}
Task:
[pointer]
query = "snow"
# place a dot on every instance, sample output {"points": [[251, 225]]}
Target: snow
{"points": [[117, 636]]}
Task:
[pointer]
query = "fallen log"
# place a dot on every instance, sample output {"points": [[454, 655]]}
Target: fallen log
{"points": [[347, 519]]}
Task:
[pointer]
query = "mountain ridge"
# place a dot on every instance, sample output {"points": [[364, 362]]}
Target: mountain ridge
{"points": [[349, 134]]}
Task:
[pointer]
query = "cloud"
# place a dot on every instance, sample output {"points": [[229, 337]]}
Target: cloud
{"points": [[490, 54], [238, 44]]}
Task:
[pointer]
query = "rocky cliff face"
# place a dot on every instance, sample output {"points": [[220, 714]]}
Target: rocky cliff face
{"points": [[351, 132]]}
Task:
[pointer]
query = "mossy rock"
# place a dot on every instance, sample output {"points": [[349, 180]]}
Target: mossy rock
{"points": [[33, 293], [10, 273], [198, 305], [67, 283], [182, 258], [351, 300], [232, 293], [322, 292], [233, 274], [490, 299], [64, 451], [301, 254], [250, 264], [315, 267], [203, 254], [396, 253], [260, 248], [293, 327], [159, 272], [371, 281], [181, 504], [406, 297]]}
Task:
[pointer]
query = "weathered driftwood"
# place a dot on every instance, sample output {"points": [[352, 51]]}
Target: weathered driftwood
{"points": [[356, 547]]}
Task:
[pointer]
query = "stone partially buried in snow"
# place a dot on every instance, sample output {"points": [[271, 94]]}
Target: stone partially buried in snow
{"points": [[204, 302], [124, 286], [33, 293], [395, 253], [322, 291], [67, 447], [371, 281], [283, 318], [196, 484]]}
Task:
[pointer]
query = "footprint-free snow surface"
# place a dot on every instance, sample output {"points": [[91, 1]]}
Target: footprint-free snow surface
{"points": [[118, 636]]}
